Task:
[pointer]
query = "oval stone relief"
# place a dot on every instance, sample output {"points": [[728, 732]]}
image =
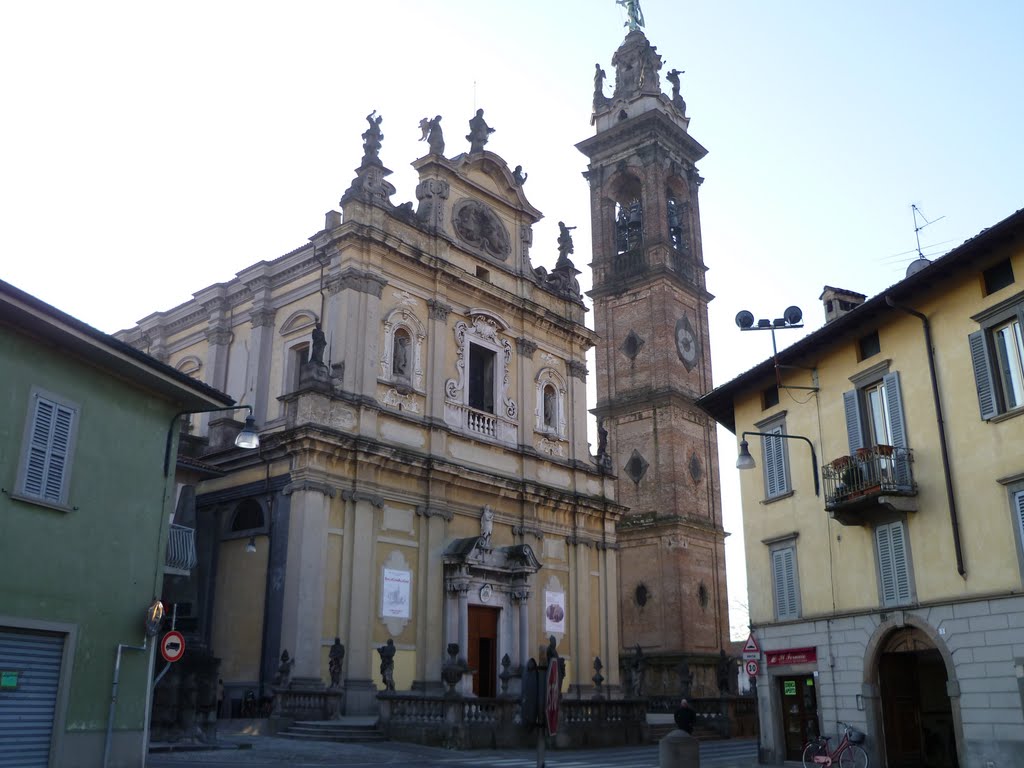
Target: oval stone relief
{"points": [[480, 227]]}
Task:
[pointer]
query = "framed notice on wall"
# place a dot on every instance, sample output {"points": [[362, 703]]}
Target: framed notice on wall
{"points": [[396, 587], [554, 612]]}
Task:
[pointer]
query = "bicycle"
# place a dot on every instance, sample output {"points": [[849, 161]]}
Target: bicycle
{"points": [[849, 753]]}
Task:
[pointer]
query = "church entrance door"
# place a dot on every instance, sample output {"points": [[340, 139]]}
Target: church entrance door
{"points": [[483, 649]]}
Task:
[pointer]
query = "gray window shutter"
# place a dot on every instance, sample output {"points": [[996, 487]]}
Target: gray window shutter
{"points": [[1018, 499], [854, 431], [885, 570], [49, 442], [983, 375], [775, 464], [784, 575], [897, 425], [900, 566]]}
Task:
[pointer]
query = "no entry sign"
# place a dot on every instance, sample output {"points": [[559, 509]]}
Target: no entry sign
{"points": [[172, 647]]}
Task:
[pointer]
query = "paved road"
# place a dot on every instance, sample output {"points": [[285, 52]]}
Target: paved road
{"points": [[266, 751]]}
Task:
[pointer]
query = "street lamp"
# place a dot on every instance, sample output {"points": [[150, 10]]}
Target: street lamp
{"points": [[746, 461], [791, 318], [248, 438]]}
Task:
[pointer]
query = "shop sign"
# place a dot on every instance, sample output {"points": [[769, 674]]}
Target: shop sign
{"points": [[792, 656], [8, 680], [789, 687]]}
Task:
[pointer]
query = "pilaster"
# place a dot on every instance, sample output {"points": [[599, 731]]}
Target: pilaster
{"points": [[362, 580]]}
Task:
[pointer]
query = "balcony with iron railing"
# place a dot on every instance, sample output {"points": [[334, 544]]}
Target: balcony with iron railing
{"points": [[181, 550], [874, 479]]}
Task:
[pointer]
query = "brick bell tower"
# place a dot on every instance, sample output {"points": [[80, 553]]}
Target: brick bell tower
{"points": [[653, 361]]}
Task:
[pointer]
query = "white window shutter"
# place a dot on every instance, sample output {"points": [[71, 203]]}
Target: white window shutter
{"points": [[898, 426], [775, 464], [983, 375], [789, 566], [784, 577]]}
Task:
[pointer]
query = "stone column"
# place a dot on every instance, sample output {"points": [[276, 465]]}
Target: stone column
{"points": [[584, 658], [523, 596], [439, 340], [260, 358], [303, 604], [430, 639], [355, 328], [361, 578], [577, 411], [609, 607]]}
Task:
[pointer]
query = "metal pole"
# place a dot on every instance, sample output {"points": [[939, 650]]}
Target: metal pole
{"points": [[113, 695]]}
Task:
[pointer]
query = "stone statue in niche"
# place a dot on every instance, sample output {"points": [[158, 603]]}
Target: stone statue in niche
{"points": [[336, 656], [486, 524], [401, 355], [518, 176], [372, 138], [433, 135], [677, 100], [550, 407], [387, 664], [479, 132]]}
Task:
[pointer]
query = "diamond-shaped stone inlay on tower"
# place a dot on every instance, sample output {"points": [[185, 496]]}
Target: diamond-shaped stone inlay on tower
{"points": [[653, 361]]}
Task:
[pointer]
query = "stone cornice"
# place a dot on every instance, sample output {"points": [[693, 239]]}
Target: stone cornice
{"points": [[309, 485], [376, 501], [522, 530], [429, 512]]}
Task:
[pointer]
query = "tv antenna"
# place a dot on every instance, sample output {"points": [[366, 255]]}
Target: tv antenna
{"points": [[918, 227]]}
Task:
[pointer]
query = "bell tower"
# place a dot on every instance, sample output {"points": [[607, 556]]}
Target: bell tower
{"points": [[653, 361]]}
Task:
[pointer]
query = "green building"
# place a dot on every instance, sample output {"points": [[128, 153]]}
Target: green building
{"points": [[85, 511]]}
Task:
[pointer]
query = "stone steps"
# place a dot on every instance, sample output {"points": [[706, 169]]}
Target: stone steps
{"points": [[331, 730]]}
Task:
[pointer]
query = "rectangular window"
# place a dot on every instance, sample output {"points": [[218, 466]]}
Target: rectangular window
{"points": [[481, 378], [784, 582], [998, 276], [874, 416], [769, 397], [997, 355], [893, 564], [298, 356], [868, 346], [48, 447]]}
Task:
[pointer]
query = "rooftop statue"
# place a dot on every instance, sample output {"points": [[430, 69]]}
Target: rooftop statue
{"points": [[635, 17], [432, 135], [677, 100], [599, 98], [479, 132], [372, 137], [519, 177]]}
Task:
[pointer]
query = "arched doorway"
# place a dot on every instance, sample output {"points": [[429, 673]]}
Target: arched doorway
{"points": [[917, 714]]}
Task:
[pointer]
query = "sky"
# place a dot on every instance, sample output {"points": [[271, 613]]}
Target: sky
{"points": [[149, 150]]}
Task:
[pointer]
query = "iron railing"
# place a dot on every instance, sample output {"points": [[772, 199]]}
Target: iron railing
{"points": [[181, 548], [870, 471]]}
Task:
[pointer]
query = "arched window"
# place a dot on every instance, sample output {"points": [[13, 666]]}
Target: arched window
{"points": [[675, 223], [629, 226], [248, 516]]}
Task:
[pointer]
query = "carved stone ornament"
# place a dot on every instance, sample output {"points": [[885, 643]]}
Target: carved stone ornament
{"points": [[483, 329], [478, 226], [696, 468], [636, 467], [632, 345]]}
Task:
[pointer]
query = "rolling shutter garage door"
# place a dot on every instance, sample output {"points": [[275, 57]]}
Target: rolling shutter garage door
{"points": [[27, 710]]}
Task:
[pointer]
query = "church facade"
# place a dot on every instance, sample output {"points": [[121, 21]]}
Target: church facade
{"points": [[424, 476]]}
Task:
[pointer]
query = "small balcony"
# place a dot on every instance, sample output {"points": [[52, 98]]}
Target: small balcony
{"points": [[181, 550], [874, 479]]}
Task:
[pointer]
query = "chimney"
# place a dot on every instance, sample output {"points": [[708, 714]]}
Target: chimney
{"points": [[839, 301]]}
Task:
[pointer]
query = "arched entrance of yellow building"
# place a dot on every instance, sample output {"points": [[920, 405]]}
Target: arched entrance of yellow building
{"points": [[917, 721]]}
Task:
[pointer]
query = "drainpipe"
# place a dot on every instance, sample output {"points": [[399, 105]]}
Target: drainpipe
{"points": [[113, 695], [954, 523]]}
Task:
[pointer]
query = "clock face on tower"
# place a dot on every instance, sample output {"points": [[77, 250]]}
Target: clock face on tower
{"points": [[686, 343]]}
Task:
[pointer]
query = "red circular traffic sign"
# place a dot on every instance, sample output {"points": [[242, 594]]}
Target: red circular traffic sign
{"points": [[172, 647], [552, 697], [752, 667]]}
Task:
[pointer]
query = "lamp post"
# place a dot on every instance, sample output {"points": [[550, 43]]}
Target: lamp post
{"points": [[791, 318], [247, 438], [746, 461]]}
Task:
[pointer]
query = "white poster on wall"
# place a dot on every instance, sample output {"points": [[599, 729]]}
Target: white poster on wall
{"points": [[554, 612], [394, 594]]}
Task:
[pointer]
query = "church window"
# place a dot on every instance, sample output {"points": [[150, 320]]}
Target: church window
{"points": [[298, 355], [248, 516], [675, 224], [401, 362], [629, 226], [481, 378]]}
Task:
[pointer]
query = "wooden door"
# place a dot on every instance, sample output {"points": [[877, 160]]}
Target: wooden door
{"points": [[799, 712], [482, 654]]}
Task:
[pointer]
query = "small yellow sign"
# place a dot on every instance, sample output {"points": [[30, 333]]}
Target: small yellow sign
{"points": [[8, 680]]}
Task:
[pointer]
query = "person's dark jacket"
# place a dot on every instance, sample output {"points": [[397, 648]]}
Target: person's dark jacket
{"points": [[685, 717]]}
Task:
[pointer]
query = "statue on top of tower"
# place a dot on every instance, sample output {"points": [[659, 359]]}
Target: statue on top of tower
{"points": [[677, 100], [433, 135], [635, 17], [599, 98], [372, 138], [479, 132]]}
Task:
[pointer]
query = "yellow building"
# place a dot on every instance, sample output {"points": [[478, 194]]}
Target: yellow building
{"points": [[893, 601], [424, 476]]}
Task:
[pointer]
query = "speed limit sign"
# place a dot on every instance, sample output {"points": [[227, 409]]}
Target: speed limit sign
{"points": [[751, 666]]}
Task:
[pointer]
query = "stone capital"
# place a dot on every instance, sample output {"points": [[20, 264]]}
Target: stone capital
{"points": [[262, 317], [362, 282], [309, 485], [577, 369], [438, 310], [429, 512], [525, 347], [218, 335], [357, 496], [522, 530]]}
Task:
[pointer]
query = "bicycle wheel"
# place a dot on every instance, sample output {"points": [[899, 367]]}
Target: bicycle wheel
{"points": [[812, 750], [853, 757]]}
